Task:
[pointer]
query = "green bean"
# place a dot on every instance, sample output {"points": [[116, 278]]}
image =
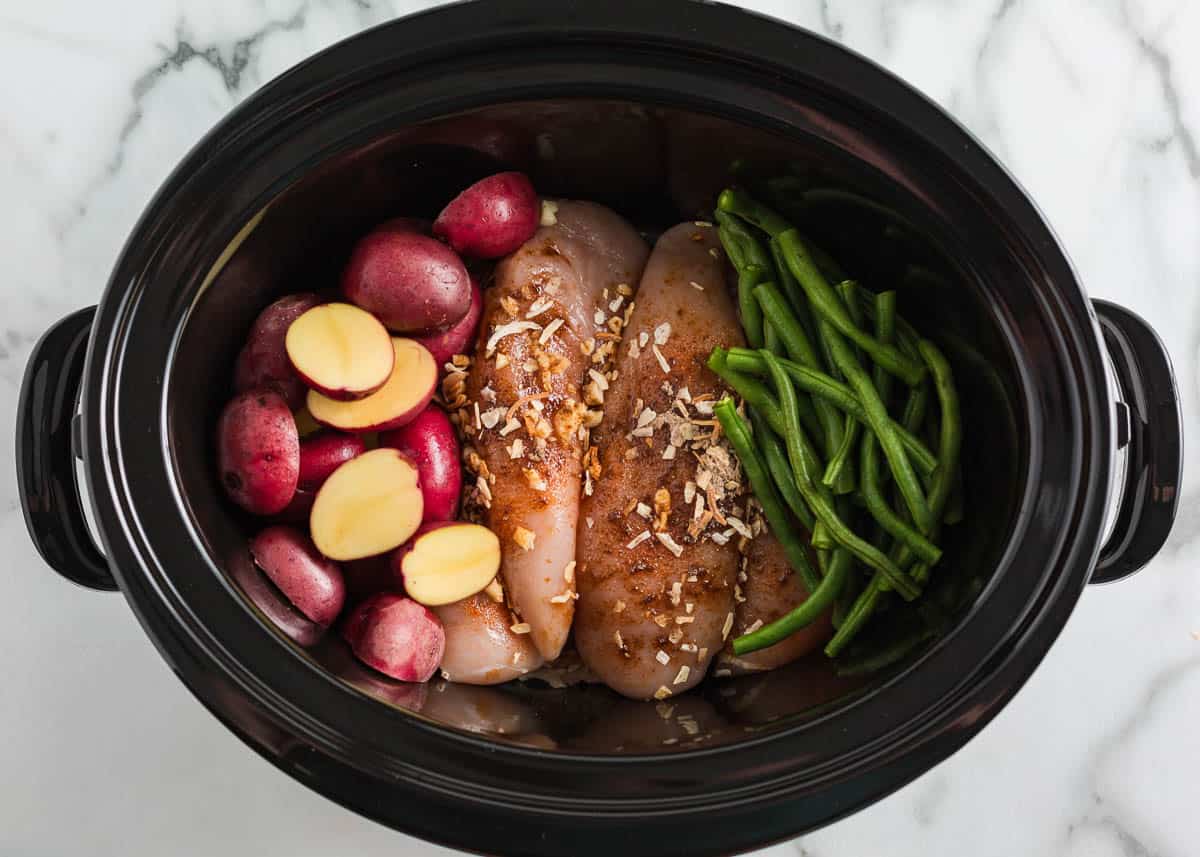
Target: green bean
{"points": [[857, 616], [759, 397], [836, 473], [738, 202], [811, 609], [906, 335], [796, 342], [777, 465], [902, 470], [885, 331], [749, 250], [751, 389], [751, 314], [756, 394], [882, 512], [819, 384], [950, 438], [820, 504], [821, 539], [829, 307], [795, 295], [774, 306], [764, 490], [771, 340], [914, 408]]}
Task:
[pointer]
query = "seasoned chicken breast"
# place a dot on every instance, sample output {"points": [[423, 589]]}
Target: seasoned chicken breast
{"points": [[551, 317], [658, 558]]}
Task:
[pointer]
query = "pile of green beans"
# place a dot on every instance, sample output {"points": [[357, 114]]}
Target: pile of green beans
{"points": [[838, 391]]}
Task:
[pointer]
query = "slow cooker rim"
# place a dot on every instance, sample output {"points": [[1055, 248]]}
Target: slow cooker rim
{"points": [[113, 309]]}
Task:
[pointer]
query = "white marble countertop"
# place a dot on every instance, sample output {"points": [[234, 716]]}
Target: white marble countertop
{"points": [[1094, 106]]}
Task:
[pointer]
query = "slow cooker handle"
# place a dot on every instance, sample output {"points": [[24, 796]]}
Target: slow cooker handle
{"points": [[1155, 449], [46, 460]]}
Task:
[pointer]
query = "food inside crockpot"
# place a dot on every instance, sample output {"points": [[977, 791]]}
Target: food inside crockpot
{"points": [[711, 457], [312, 583], [409, 281], [402, 397], [369, 505], [431, 443], [447, 561], [491, 218], [458, 337], [340, 351]]}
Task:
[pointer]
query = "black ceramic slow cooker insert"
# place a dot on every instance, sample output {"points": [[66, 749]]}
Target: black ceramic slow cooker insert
{"points": [[639, 106]]}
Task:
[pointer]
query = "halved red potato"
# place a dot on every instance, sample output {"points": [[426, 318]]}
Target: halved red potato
{"points": [[258, 452], [325, 452], [447, 562], [396, 636], [311, 582], [404, 395], [340, 350], [369, 505]]}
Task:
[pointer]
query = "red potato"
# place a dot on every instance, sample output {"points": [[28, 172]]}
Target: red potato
{"points": [[396, 403], [263, 360], [370, 505], [430, 442], [325, 452], [491, 218], [458, 338], [258, 452], [396, 636], [447, 561], [311, 582], [340, 350], [408, 281]]}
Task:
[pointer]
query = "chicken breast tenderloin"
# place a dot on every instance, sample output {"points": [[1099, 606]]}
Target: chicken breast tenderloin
{"points": [[481, 647], [658, 556], [769, 589], [551, 322]]}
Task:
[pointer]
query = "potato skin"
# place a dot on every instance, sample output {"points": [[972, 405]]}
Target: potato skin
{"points": [[313, 584], [263, 361], [325, 452], [396, 636], [492, 217], [430, 443], [258, 452], [458, 338], [409, 281]]}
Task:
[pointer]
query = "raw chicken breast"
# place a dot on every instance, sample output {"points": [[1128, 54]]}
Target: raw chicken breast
{"points": [[657, 563], [552, 315]]}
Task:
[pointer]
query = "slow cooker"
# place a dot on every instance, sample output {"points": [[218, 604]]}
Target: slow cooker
{"points": [[1070, 406]]}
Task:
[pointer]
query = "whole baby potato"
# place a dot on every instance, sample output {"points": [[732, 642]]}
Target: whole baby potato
{"points": [[407, 280]]}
